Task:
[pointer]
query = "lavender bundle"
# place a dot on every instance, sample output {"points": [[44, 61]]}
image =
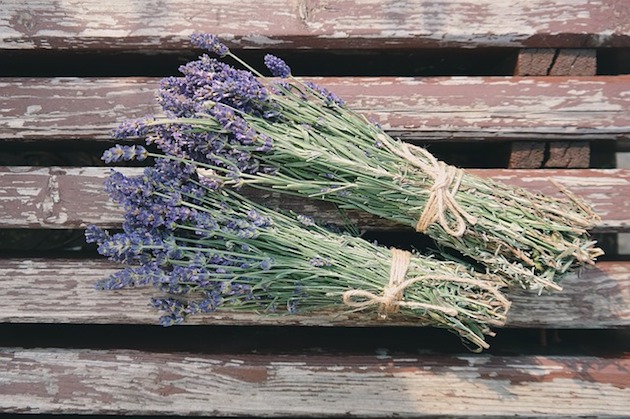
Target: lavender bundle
{"points": [[298, 138], [204, 250]]}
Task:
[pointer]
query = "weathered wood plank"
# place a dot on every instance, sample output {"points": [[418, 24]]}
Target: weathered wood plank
{"points": [[345, 24], [75, 381], [62, 291], [74, 197], [434, 108]]}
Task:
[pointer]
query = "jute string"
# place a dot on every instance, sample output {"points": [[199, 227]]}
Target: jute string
{"points": [[446, 182], [392, 298]]}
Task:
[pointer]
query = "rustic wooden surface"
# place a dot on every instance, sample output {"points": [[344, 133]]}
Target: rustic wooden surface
{"points": [[565, 106], [75, 381], [432, 108], [343, 24], [62, 291], [34, 197]]}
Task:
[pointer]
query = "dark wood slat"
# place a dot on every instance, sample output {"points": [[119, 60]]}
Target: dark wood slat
{"points": [[346, 24], [133, 382], [437, 108], [62, 291], [556, 62], [74, 197], [555, 154]]}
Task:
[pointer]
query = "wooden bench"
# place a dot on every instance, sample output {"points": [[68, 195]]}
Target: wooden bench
{"points": [[519, 91]]}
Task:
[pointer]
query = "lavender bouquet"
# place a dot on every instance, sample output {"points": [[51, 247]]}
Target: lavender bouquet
{"points": [[295, 137], [204, 250]]}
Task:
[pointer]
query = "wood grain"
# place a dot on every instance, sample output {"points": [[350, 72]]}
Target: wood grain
{"points": [[342, 24], [74, 197], [62, 291], [556, 62], [425, 109], [131, 382]]}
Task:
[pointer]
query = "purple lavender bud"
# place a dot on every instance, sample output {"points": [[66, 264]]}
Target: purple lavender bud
{"points": [[94, 234], [175, 98], [120, 153], [267, 144], [266, 264], [125, 278], [129, 153], [113, 154], [141, 153], [329, 97], [131, 128], [277, 66], [209, 42]]}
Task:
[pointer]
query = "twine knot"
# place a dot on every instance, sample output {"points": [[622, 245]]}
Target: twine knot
{"points": [[392, 297], [446, 182]]}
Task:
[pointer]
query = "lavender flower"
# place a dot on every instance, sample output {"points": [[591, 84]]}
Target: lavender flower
{"points": [[132, 128], [277, 66], [120, 153], [329, 97], [94, 234], [203, 247], [210, 43], [175, 98], [210, 81]]}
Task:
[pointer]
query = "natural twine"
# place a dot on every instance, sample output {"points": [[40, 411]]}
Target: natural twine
{"points": [[441, 198], [391, 299]]}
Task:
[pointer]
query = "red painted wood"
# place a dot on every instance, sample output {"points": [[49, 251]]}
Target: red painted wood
{"points": [[287, 24], [74, 197], [436, 109], [62, 291]]}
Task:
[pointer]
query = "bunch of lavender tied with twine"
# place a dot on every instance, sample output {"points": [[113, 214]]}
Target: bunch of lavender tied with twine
{"points": [[296, 137], [205, 249]]}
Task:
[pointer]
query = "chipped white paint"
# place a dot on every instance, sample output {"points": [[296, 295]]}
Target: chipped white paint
{"points": [[262, 40], [62, 291], [471, 108], [178, 384], [536, 23], [33, 109], [580, 181], [74, 197]]}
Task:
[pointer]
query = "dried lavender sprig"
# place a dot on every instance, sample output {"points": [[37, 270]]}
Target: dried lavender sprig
{"points": [[310, 139], [205, 249]]}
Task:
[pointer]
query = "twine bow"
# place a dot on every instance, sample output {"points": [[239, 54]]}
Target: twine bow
{"points": [[392, 298], [446, 182]]}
